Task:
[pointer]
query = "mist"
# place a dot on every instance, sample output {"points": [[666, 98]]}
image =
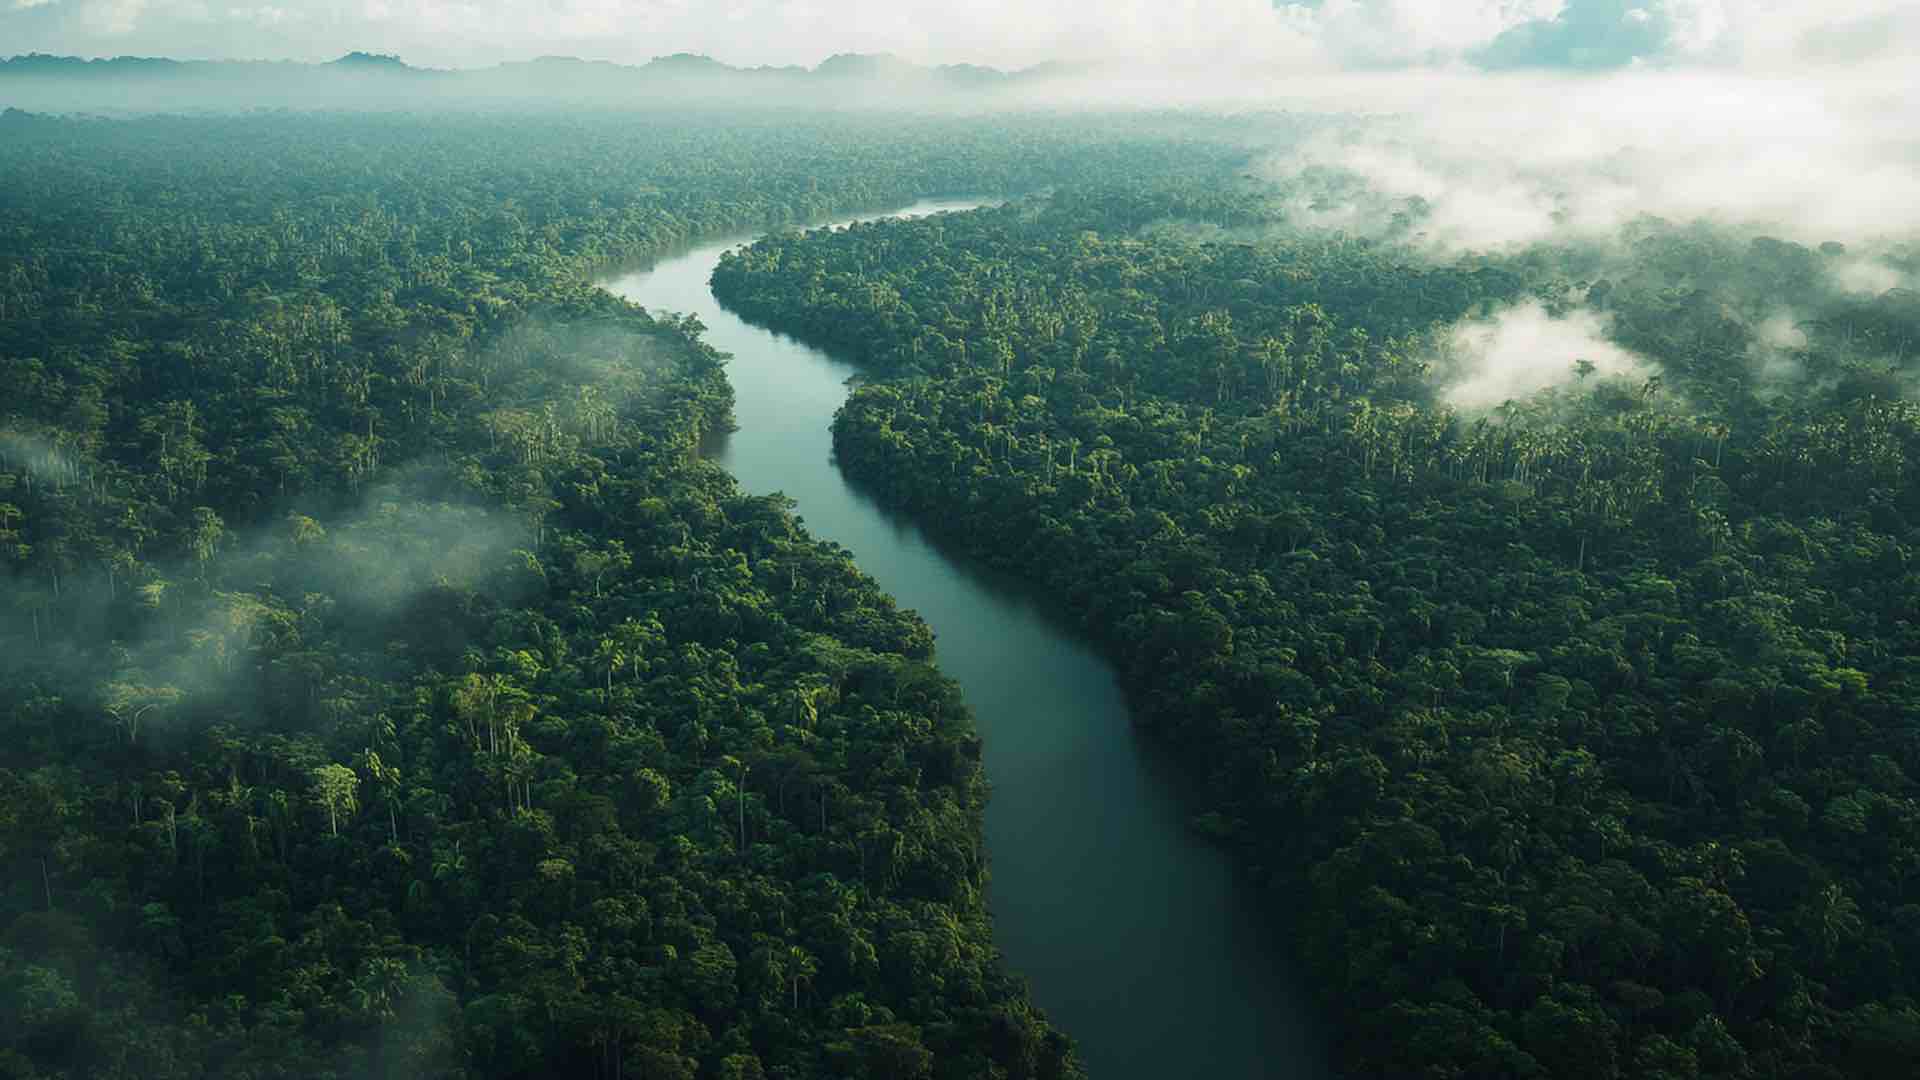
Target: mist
{"points": [[384, 82], [1776, 355], [1868, 276], [1521, 350], [1504, 161], [204, 634], [40, 460], [202, 638], [1587, 75]]}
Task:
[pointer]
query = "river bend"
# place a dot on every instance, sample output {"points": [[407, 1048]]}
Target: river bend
{"points": [[1125, 923]]}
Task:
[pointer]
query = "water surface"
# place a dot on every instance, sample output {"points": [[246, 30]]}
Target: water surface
{"points": [[1126, 924]]}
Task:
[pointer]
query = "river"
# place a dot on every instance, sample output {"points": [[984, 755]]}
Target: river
{"points": [[1126, 924]]}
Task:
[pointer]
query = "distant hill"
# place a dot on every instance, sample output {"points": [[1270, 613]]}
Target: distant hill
{"points": [[375, 61], [379, 80]]}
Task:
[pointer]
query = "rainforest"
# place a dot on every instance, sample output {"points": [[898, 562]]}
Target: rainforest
{"points": [[919, 573]]}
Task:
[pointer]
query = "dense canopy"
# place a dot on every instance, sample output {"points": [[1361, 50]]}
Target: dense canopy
{"points": [[1585, 720], [388, 686]]}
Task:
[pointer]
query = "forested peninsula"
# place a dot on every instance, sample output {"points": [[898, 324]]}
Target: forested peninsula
{"points": [[1569, 733], [388, 688]]}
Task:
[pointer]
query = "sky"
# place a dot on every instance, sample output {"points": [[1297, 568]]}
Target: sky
{"points": [[1320, 36]]}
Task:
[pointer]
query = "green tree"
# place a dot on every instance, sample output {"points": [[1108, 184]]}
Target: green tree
{"points": [[336, 790]]}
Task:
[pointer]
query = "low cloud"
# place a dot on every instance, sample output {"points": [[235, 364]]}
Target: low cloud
{"points": [[42, 461], [1522, 350], [396, 547], [209, 645], [1509, 160], [1777, 354], [1868, 277]]}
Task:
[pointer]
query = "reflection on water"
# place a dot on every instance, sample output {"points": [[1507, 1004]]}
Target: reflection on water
{"points": [[1126, 924]]}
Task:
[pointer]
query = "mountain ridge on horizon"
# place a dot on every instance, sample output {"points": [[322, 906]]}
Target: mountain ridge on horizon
{"points": [[836, 65], [367, 78]]}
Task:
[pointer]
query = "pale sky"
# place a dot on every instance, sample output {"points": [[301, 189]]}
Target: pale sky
{"points": [[1316, 35]]}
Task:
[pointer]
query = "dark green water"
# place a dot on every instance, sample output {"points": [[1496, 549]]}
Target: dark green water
{"points": [[1125, 923]]}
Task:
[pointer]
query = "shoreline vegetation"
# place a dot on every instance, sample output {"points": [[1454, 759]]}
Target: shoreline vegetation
{"points": [[388, 689], [1583, 721]]}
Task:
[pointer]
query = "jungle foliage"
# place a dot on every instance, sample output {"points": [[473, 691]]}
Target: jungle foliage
{"points": [[1580, 732], [387, 688]]}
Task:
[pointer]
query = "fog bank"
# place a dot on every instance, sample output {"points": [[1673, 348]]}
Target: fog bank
{"points": [[1508, 160], [1522, 350]]}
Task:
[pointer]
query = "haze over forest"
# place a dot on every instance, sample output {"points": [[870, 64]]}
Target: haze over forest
{"points": [[1508, 117], [908, 541]]}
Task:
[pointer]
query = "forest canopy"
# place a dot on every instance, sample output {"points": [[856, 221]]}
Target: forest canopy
{"points": [[1542, 614], [388, 686]]}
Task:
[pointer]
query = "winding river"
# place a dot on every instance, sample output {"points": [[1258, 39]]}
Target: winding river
{"points": [[1125, 923]]}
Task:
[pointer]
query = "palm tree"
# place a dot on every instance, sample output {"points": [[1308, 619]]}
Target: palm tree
{"points": [[800, 965]]}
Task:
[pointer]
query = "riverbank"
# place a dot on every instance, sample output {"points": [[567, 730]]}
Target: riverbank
{"points": [[1126, 923]]}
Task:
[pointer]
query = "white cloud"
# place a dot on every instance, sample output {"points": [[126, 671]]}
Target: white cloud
{"points": [[1386, 31], [1784, 36], [1521, 351], [1697, 27], [1829, 156], [1868, 277], [1774, 354], [114, 18]]}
